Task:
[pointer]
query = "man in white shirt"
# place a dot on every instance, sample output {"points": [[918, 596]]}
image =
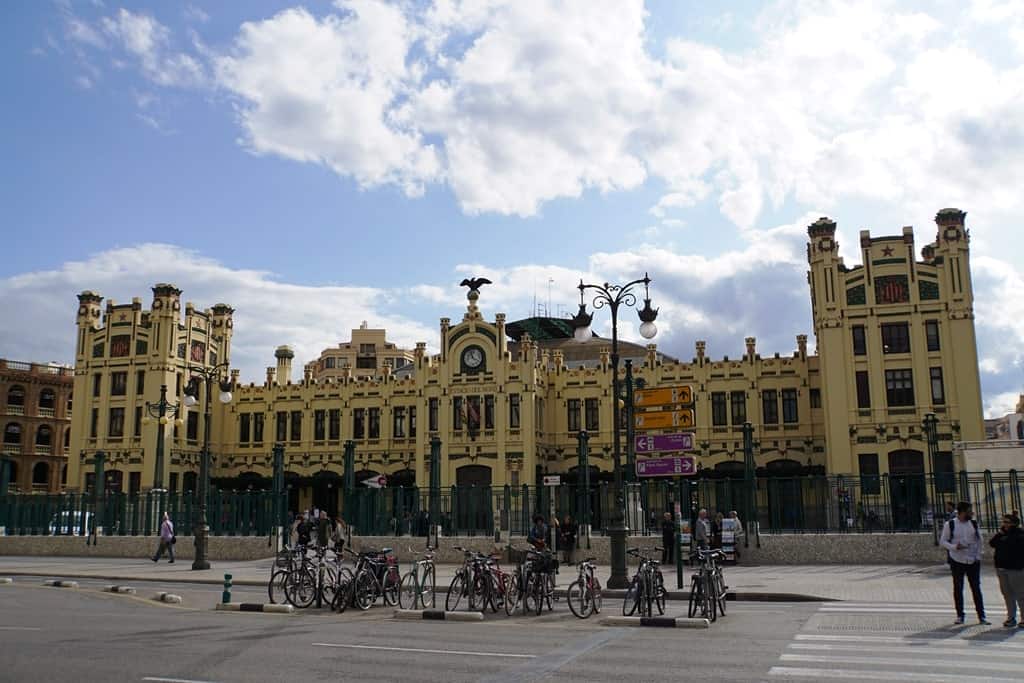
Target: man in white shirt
{"points": [[702, 530], [962, 539]]}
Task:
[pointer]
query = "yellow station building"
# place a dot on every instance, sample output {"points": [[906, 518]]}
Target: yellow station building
{"points": [[895, 341]]}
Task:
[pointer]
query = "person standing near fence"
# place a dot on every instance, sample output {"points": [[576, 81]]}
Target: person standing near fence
{"points": [[167, 539], [567, 538], [962, 539], [1009, 561], [668, 539], [702, 530]]}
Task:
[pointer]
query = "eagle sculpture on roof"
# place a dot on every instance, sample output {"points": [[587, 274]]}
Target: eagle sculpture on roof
{"points": [[474, 285]]}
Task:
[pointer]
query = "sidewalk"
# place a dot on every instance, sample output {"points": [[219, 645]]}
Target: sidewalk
{"points": [[897, 584]]}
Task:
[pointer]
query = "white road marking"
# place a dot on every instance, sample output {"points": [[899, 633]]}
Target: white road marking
{"points": [[902, 610], [903, 661], [983, 651], [860, 675], [19, 628], [436, 652], [173, 680], [943, 640]]}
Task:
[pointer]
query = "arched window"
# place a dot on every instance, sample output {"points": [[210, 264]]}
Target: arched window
{"points": [[47, 399], [44, 436], [12, 434], [16, 396], [41, 474]]}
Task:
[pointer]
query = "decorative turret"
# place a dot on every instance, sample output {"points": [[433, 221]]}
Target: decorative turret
{"points": [[89, 309], [751, 343], [222, 328], [284, 355]]}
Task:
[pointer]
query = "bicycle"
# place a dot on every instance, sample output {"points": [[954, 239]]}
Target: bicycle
{"points": [[414, 589], [707, 587], [477, 581], [315, 579], [584, 594], [284, 563], [375, 576], [647, 588]]}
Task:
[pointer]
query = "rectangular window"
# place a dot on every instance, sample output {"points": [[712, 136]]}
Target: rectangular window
{"points": [[770, 403], [295, 432], [895, 338], [899, 388], [329, 363], [334, 424], [374, 423], [257, 427], [140, 382], [120, 346], [863, 390], [513, 411], [359, 423], [572, 407], [719, 416], [489, 411], [398, 423], [367, 348], [473, 413], [870, 483], [432, 410], [94, 422], [192, 426], [931, 334], [457, 414], [815, 398], [319, 425], [116, 423], [118, 383], [412, 422], [591, 415], [281, 423], [244, 423], [738, 405], [366, 363], [97, 383], [137, 427], [938, 391], [790, 411], [134, 483], [860, 342]]}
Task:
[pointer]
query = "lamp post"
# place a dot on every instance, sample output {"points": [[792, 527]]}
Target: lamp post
{"points": [[930, 425], [614, 296], [201, 374], [162, 411], [749, 479]]}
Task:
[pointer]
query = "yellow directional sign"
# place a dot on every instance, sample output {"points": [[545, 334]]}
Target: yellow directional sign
{"points": [[663, 396], [664, 419]]}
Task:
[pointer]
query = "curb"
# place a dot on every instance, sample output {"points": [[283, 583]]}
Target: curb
{"points": [[254, 607], [438, 615], [169, 598], [162, 579], [663, 622], [61, 584], [119, 589], [5, 581]]}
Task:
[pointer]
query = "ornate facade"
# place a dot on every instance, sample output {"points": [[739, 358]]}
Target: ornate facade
{"points": [[507, 400]]}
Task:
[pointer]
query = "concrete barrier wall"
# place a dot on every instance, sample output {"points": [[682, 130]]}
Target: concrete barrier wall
{"points": [[218, 547]]}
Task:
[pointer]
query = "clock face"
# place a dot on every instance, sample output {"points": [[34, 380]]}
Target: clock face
{"points": [[473, 357]]}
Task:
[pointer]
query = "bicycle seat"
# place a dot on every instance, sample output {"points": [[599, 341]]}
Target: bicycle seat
{"points": [[385, 551]]}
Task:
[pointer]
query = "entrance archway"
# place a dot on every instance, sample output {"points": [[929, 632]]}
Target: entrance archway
{"points": [[41, 475], [907, 489]]}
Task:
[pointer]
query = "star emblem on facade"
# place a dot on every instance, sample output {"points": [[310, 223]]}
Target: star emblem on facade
{"points": [[122, 317], [887, 251]]}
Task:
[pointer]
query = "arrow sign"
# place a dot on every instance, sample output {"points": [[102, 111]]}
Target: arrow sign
{"points": [[677, 466], [665, 419], [663, 396], [651, 443]]}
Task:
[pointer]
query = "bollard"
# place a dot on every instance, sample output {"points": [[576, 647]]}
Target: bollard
{"points": [[226, 595]]}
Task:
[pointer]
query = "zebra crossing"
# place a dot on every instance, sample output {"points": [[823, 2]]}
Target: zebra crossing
{"points": [[932, 650]]}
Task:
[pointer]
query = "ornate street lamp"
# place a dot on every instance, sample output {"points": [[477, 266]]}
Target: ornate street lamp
{"points": [[614, 296], [163, 411], [200, 374]]}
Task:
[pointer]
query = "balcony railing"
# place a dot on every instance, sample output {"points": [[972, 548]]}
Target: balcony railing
{"points": [[15, 409], [46, 412]]}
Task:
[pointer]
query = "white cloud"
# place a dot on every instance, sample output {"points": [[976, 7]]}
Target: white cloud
{"points": [[268, 312], [149, 42]]}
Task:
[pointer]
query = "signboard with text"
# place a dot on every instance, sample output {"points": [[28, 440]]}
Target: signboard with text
{"points": [[663, 396], [676, 466], [652, 443], [664, 419]]}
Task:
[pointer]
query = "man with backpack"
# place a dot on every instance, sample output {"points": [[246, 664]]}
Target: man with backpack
{"points": [[962, 539]]}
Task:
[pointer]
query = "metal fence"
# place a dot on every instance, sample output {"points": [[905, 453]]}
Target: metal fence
{"points": [[244, 513], [804, 504]]}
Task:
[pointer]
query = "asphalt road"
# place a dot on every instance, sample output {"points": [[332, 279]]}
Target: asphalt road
{"points": [[49, 634]]}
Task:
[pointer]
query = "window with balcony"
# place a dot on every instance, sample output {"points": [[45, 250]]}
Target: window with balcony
{"points": [[899, 388], [16, 399], [47, 401], [12, 434], [895, 338]]}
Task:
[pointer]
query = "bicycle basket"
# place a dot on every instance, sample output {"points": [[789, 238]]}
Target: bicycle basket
{"points": [[283, 559]]}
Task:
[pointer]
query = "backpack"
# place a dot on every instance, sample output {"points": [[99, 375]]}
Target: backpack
{"points": [[952, 528]]}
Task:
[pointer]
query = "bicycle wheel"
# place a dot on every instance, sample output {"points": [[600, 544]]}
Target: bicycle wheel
{"points": [[579, 603], [530, 593], [647, 598], [456, 590], [408, 593], [478, 593], [595, 592], [540, 583], [720, 590], [300, 589], [660, 594], [710, 604], [428, 587], [365, 591], [632, 600], [390, 587], [512, 592], [496, 592], [343, 595], [695, 589], [275, 587]]}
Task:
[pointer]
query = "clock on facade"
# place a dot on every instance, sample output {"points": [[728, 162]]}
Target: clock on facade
{"points": [[473, 358]]}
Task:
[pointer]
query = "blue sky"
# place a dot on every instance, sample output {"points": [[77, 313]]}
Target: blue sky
{"points": [[332, 162]]}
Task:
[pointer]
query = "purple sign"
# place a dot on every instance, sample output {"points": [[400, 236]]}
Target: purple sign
{"points": [[676, 466], [651, 443]]}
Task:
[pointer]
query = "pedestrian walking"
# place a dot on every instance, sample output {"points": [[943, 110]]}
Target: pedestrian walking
{"points": [[716, 530], [962, 539], [167, 539], [567, 538], [668, 539], [702, 530], [1008, 543], [323, 530], [737, 530]]}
